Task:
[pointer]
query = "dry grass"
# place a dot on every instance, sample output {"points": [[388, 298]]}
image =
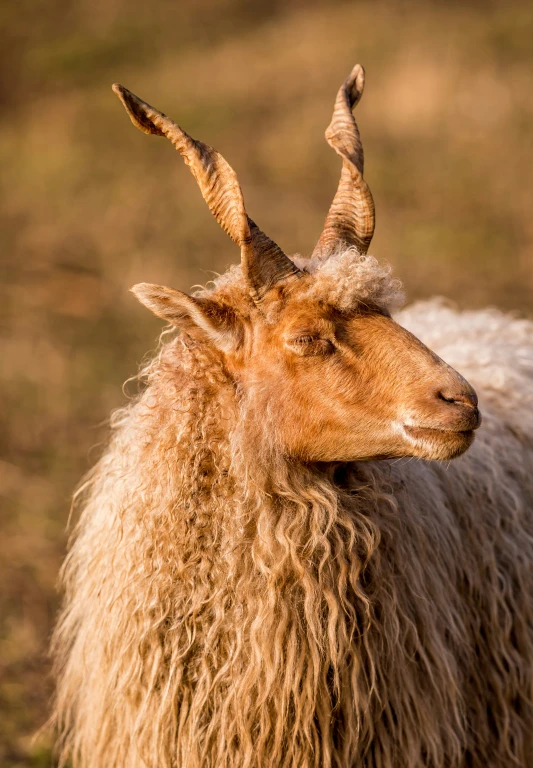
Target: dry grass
{"points": [[90, 206]]}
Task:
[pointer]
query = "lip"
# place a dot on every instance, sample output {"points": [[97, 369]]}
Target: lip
{"points": [[432, 432]]}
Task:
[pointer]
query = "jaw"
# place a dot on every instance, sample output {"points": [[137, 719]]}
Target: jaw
{"points": [[417, 442], [436, 444], [394, 442]]}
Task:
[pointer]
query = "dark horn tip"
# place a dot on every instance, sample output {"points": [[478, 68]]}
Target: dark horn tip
{"points": [[128, 99], [355, 84], [137, 109]]}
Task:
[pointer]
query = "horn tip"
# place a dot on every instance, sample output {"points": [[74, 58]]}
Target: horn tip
{"points": [[140, 113], [357, 69], [126, 96], [354, 85], [356, 77]]}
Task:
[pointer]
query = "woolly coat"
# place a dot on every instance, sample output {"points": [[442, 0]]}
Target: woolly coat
{"points": [[227, 606]]}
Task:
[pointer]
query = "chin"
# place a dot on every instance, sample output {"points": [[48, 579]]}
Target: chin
{"points": [[439, 445]]}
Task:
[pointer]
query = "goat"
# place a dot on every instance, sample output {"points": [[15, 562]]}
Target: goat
{"points": [[260, 576]]}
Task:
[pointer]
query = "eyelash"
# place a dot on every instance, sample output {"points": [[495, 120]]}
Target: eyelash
{"points": [[308, 345]]}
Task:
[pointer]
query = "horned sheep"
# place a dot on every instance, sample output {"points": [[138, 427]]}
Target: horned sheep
{"points": [[260, 576]]}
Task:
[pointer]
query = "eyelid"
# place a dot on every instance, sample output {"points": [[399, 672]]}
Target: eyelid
{"points": [[307, 344]]}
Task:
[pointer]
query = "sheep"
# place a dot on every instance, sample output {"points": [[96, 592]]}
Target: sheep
{"points": [[260, 575]]}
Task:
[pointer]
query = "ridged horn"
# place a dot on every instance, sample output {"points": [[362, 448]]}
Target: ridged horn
{"points": [[351, 218], [264, 263]]}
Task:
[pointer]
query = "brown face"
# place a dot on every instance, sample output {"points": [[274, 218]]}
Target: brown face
{"points": [[333, 385], [344, 386]]}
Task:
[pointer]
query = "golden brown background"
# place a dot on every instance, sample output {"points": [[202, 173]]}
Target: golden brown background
{"points": [[91, 206]]}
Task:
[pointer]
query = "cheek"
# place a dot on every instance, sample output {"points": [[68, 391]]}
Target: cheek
{"points": [[337, 390], [315, 409], [324, 410], [335, 413], [285, 401]]}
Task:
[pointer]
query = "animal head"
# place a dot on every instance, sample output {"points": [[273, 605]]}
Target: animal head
{"points": [[311, 342]]}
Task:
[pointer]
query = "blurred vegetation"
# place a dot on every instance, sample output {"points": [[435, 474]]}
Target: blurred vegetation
{"points": [[91, 206]]}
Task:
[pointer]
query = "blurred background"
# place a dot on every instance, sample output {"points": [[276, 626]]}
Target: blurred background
{"points": [[90, 206]]}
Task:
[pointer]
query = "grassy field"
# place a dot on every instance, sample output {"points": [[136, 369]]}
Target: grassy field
{"points": [[90, 206]]}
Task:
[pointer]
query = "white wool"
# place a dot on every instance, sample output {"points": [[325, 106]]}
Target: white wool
{"points": [[347, 277], [209, 576], [343, 279]]}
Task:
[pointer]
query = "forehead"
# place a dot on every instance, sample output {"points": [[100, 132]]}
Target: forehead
{"points": [[348, 280], [331, 288], [308, 314], [305, 314]]}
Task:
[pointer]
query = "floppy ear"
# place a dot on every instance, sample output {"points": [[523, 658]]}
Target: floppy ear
{"points": [[220, 324]]}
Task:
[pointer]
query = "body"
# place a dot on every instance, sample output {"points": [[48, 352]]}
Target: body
{"points": [[237, 608], [295, 551]]}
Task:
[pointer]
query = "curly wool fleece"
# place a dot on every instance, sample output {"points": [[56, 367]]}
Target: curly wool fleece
{"points": [[227, 607]]}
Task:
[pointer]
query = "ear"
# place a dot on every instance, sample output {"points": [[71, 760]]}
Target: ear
{"points": [[219, 323]]}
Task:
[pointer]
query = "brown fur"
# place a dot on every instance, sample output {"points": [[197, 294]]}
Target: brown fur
{"points": [[243, 590]]}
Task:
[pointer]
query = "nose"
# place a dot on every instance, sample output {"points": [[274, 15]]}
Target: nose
{"points": [[464, 396], [463, 400]]}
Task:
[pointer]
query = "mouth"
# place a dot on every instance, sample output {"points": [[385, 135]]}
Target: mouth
{"points": [[430, 432], [439, 444]]}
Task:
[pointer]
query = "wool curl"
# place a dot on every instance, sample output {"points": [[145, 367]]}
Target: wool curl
{"points": [[344, 279], [228, 607]]}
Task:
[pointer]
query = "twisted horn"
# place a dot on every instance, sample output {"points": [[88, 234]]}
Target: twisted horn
{"points": [[351, 218], [263, 262]]}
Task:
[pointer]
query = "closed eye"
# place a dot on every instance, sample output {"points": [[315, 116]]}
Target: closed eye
{"points": [[307, 345]]}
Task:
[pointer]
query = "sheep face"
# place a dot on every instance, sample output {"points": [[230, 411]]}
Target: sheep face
{"points": [[310, 343], [329, 383], [354, 385]]}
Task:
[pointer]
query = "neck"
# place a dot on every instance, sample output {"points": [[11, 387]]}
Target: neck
{"points": [[234, 605], [263, 565]]}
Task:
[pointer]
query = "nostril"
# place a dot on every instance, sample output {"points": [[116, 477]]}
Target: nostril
{"points": [[446, 398], [467, 398], [464, 415]]}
